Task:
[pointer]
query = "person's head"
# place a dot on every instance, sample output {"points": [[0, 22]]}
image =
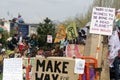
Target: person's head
{"points": [[16, 50], [24, 41], [0, 44], [83, 31], [119, 53], [34, 36], [3, 51], [24, 52], [40, 52], [20, 33], [15, 35]]}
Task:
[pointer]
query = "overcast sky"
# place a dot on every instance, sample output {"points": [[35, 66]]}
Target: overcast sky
{"points": [[33, 11]]}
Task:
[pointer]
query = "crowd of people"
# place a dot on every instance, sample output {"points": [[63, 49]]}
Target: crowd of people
{"points": [[24, 47], [19, 46]]}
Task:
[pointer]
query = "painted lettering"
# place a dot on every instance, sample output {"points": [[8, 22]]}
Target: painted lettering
{"points": [[39, 78], [44, 76], [64, 67], [49, 66], [56, 68], [40, 64]]}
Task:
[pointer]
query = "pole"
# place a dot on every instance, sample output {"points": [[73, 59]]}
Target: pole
{"points": [[98, 46], [27, 70]]}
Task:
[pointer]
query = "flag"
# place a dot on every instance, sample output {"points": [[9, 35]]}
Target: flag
{"points": [[61, 34], [71, 31]]}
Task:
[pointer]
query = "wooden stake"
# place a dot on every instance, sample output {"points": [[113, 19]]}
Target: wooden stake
{"points": [[98, 46]]}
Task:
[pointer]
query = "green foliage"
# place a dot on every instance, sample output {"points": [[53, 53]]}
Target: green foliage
{"points": [[107, 3], [1, 76], [82, 19], [45, 28], [4, 38]]}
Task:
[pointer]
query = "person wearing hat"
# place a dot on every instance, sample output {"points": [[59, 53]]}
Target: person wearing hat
{"points": [[116, 65], [2, 56], [1, 64]]}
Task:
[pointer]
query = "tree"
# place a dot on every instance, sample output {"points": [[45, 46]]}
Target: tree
{"points": [[107, 3], [45, 28]]}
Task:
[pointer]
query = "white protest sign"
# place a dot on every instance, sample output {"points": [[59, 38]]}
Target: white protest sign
{"points": [[12, 69], [102, 20], [79, 66], [49, 38]]}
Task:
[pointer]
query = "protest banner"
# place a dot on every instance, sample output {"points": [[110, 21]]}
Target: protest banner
{"points": [[12, 69], [54, 68], [71, 31], [61, 34], [102, 23], [102, 20], [73, 50]]}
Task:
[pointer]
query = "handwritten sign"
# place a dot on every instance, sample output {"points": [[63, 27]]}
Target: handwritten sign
{"points": [[54, 68], [12, 69], [102, 20], [79, 66], [49, 38]]}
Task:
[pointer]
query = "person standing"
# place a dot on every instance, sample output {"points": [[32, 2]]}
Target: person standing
{"points": [[20, 37], [33, 43], [15, 40], [116, 65]]}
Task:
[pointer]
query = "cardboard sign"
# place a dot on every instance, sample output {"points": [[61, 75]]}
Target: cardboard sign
{"points": [[54, 68], [102, 20], [12, 69]]}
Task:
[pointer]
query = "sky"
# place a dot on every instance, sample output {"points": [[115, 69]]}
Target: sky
{"points": [[34, 11]]}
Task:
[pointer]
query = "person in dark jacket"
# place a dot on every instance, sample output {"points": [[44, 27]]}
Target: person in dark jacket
{"points": [[116, 65], [33, 43], [15, 40]]}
